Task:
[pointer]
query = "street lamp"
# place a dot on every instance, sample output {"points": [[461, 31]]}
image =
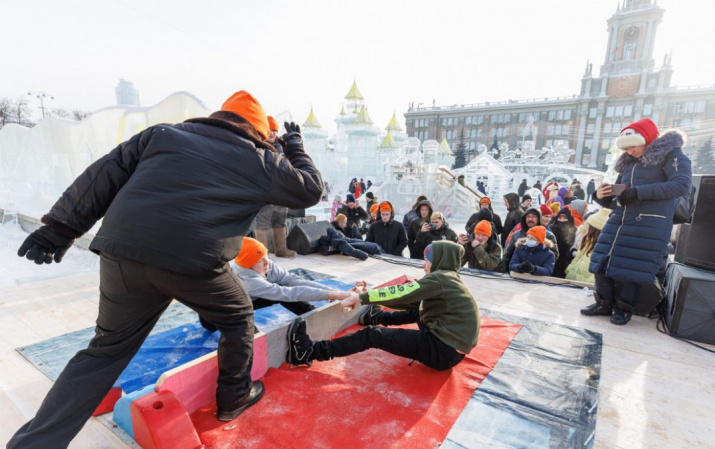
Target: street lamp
{"points": [[41, 96]]}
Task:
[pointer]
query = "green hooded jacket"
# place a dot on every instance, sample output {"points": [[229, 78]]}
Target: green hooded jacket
{"points": [[446, 306]]}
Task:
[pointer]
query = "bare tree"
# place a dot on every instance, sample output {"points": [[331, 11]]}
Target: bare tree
{"points": [[59, 112], [80, 115], [6, 111], [22, 111]]}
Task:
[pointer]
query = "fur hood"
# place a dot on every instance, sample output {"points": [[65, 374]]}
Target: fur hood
{"points": [[547, 243], [655, 153]]}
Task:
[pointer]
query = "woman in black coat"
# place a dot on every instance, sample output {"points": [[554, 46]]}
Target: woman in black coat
{"points": [[633, 244]]}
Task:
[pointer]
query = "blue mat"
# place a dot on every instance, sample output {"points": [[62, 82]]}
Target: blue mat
{"points": [[176, 339]]}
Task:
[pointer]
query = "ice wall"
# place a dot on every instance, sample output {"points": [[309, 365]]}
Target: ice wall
{"points": [[38, 164]]}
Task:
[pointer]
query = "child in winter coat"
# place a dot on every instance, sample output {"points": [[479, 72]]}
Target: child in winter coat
{"points": [[482, 251], [532, 254], [586, 239], [440, 304]]}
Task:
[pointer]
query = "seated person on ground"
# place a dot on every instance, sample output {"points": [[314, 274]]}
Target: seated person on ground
{"points": [[341, 224], [387, 232], [532, 254], [482, 250], [445, 311], [268, 284]]}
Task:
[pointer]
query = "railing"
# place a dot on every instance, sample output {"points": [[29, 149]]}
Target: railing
{"points": [[490, 103]]}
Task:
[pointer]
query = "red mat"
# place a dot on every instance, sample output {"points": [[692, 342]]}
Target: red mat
{"points": [[371, 399]]}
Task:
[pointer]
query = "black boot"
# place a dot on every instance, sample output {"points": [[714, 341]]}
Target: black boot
{"points": [[601, 307], [251, 398], [300, 348], [622, 313], [369, 315]]}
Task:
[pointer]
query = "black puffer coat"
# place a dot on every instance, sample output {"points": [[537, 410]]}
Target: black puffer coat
{"points": [[565, 233], [181, 197], [390, 236], [513, 217], [633, 244]]}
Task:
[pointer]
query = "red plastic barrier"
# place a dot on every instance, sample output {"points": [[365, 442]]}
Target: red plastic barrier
{"points": [[108, 402], [160, 421]]}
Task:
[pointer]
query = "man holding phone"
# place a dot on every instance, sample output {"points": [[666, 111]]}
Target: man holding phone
{"points": [[652, 173]]}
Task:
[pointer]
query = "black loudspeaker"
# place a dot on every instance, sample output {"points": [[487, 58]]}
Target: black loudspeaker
{"points": [[696, 245], [303, 238], [691, 303]]}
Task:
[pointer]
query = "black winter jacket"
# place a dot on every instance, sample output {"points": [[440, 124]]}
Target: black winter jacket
{"points": [[354, 215], [181, 197], [416, 248], [390, 236], [513, 217]]}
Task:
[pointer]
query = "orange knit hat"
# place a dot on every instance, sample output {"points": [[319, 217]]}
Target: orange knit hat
{"points": [[340, 217], [374, 208], [385, 206], [484, 228], [539, 232], [251, 252], [555, 207], [243, 104], [273, 124], [485, 200]]}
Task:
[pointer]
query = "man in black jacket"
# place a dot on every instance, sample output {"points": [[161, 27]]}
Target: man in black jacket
{"points": [[176, 201], [386, 232], [354, 212]]}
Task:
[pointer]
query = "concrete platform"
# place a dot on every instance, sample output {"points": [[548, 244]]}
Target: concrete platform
{"points": [[654, 391]]}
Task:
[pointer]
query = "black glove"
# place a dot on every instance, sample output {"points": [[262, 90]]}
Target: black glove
{"points": [[45, 244], [628, 196], [292, 138], [526, 267]]}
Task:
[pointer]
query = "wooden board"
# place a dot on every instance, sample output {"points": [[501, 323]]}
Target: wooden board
{"points": [[549, 279]]}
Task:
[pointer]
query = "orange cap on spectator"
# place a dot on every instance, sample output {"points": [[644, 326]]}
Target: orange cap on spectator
{"points": [[251, 252], [243, 104]]}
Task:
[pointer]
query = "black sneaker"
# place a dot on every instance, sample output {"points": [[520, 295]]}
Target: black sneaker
{"points": [[620, 317], [369, 315], [596, 309], [300, 348], [251, 398]]}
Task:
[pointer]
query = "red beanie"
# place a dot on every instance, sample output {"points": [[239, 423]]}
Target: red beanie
{"points": [[642, 132], [539, 232], [483, 228], [273, 124], [243, 104], [545, 210], [251, 252]]}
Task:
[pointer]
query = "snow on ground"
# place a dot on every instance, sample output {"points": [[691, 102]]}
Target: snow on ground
{"points": [[15, 270]]}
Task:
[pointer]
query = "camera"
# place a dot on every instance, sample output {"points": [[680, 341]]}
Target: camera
{"points": [[470, 238], [433, 226]]}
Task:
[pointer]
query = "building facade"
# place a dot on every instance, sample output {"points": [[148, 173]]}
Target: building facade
{"points": [[628, 87]]}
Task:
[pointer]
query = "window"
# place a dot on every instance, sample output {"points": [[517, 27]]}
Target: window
{"points": [[536, 115], [567, 114], [468, 121], [617, 125], [592, 112], [522, 117], [560, 115], [507, 118], [677, 108], [609, 111], [473, 133], [472, 145], [605, 144], [628, 110], [588, 144], [565, 130], [699, 106], [607, 127], [450, 121], [444, 134], [480, 120], [590, 128], [550, 130], [552, 115], [647, 109], [557, 130]]}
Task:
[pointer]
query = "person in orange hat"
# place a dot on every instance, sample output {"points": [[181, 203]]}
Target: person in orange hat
{"points": [[495, 219], [481, 249], [387, 232], [373, 213], [174, 201], [532, 254], [269, 284]]}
